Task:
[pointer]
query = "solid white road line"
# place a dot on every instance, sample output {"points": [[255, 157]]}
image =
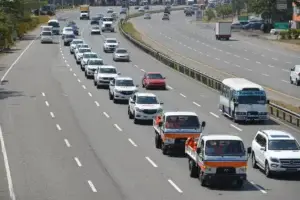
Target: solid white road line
{"points": [[196, 104], [67, 143], [106, 115], [258, 187], [213, 114], [47, 103], [58, 127], [78, 162], [43, 94], [151, 162], [92, 186], [97, 104], [182, 95], [132, 142], [15, 62], [175, 186], [90, 94], [6, 165], [52, 114], [118, 127], [83, 86], [237, 128]]}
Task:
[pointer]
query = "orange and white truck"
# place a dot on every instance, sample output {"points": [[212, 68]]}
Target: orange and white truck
{"points": [[172, 129], [84, 12], [218, 159]]}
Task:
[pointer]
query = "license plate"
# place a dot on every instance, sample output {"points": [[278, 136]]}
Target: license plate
{"points": [[291, 170]]}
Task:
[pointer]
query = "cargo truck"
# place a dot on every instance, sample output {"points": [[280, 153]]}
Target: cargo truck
{"points": [[223, 30], [84, 12]]}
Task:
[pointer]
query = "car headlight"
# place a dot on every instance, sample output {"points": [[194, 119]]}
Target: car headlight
{"points": [[159, 110], [242, 170], [138, 109], [275, 160], [117, 91]]}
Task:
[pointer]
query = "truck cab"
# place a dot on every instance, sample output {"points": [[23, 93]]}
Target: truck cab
{"points": [[172, 129], [84, 12], [218, 159]]}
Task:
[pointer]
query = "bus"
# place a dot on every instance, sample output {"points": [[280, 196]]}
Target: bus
{"points": [[243, 100], [56, 27]]}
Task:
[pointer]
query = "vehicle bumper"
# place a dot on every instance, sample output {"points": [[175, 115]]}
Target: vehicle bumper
{"points": [[156, 85], [67, 42], [224, 178], [143, 116], [96, 32], [175, 148], [280, 170], [103, 82], [251, 118], [47, 41], [119, 96], [122, 58], [110, 49], [108, 29]]}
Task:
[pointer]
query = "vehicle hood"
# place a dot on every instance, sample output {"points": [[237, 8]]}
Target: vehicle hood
{"points": [[252, 107], [111, 44], [148, 106], [156, 80], [123, 88], [284, 154], [108, 75]]}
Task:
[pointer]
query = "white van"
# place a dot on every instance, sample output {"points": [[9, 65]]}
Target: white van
{"points": [[243, 100], [56, 27], [46, 28], [46, 37]]}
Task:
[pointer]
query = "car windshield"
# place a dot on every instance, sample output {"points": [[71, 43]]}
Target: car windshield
{"points": [[224, 148], [111, 41], [68, 29], [108, 70], [251, 99], [127, 83], [283, 145], [95, 62], [82, 46], [53, 24], [155, 76], [146, 100], [90, 55], [182, 122], [121, 51], [108, 19], [77, 42], [70, 36], [46, 33], [84, 50]]}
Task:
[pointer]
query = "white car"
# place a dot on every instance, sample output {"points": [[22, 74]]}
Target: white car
{"points": [[85, 58], [295, 75], [121, 89], [46, 37], [107, 26], [67, 31], [95, 30], [92, 65], [110, 44], [143, 106], [275, 151], [121, 54], [104, 75], [110, 10], [78, 46], [74, 43], [79, 54], [141, 9]]}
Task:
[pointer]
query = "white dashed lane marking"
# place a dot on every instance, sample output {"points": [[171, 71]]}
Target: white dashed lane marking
{"points": [[265, 74], [246, 58], [106, 115], [169, 87], [196, 104], [52, 115], [151, 162], [237, 128], [285, 81], [90, 94], [92, 186], [175, 186], [132, 142], [258, 187], [74, 74], [274, 59], [78, 162], [258, 62], [97, 104], [118, 127], [285, 70], [47, 103], [213, 114], [79, 81], [67, 143], [43, 94], [58, 127], [226, 62], [83, 86], [271, 66]]}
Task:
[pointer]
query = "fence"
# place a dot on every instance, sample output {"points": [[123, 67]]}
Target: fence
{"points": [[274, 110]]}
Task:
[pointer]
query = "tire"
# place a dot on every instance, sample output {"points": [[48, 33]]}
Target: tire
{"points": [[291, 81], [157, 141], [253, 161], [130, 115], [193, 169], [95, 84], [135, 121], [98, 86], [297, 82], [239, 184], [201, 179], [267, 170], [110, 95], [164, 150], [143, 86], [115, 100]]}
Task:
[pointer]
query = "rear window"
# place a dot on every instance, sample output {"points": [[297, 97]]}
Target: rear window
{"points": [[111, 41], [84, 50], [54, 24], [46, 33], [107, 25], [108, 19], [70, 36]]}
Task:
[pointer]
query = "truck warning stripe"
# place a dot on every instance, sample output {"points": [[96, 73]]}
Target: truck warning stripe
{"points": [[225, 163], [180, 135]]}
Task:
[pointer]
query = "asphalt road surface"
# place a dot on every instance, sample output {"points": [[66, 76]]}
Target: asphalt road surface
{"points": [[194, 44], [66, 140]]}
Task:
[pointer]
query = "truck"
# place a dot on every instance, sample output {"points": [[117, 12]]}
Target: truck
{"points": [[172, 129], [84, 12], [223, 30], [218, 159]]}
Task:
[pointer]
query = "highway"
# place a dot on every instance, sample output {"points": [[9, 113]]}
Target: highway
{"points": [[66, 140], [194, 44]]}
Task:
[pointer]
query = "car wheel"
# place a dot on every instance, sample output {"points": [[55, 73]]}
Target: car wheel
{"points": [[297, 82], [115, 100], [291, 80], [267, 170], [135, 121], [95, 84], [253, 161], [110, 95]]}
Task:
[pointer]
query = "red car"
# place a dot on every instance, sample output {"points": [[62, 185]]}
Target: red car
{"points": [[154, 80]]}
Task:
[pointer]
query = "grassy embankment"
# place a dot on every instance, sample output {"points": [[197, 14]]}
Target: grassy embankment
{"points": [[130, 29]]}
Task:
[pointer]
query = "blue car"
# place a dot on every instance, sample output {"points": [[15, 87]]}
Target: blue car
{"points": [[75, 30]]}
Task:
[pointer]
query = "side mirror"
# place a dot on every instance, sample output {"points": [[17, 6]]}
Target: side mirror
{"points": [[263, 148], [137, 86], [249, 150], [198, 150], [292, 69], [160, 124], [119, 73], [161, 103], [236, 103], [164, 77], [268, 101], [203, 124], [131, 101], [111, 84]]}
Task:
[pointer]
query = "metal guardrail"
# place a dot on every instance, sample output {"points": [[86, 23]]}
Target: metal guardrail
{"points": [[274, 110]]}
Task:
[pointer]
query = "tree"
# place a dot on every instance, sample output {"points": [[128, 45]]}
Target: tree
{"points": [[224, 10], [209, 14], [261, 6], [237, 6]]}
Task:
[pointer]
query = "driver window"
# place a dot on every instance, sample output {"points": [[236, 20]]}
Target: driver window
{"points": [[263, 141], [113, 81]]}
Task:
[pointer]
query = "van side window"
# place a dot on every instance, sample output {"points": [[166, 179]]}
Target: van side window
{"points": [[261, 140]]}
